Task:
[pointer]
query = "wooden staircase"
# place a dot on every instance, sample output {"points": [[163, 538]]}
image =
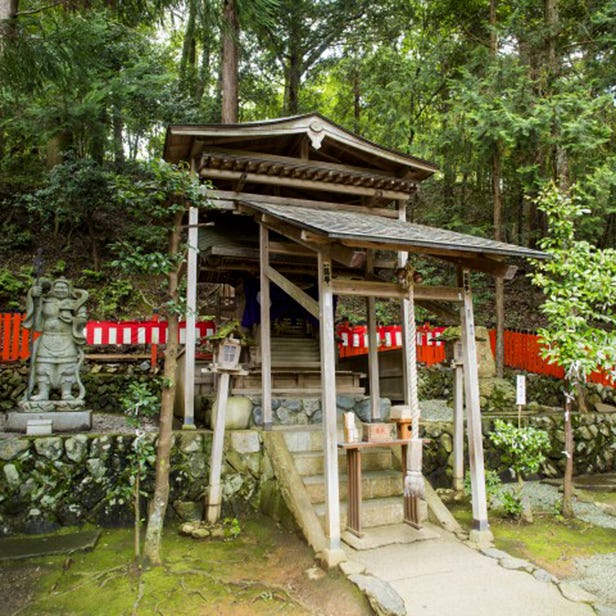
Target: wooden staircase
{"points": [[382, 481], [296, 366]]}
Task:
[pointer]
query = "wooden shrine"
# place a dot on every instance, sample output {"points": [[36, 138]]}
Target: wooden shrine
{"points": [[308, 208]]}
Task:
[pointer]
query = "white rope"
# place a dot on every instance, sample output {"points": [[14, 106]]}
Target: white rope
{"points": [[413, 482]]}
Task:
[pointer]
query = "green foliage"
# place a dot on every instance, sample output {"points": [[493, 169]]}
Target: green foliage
{"points": [[523, 449], [12, 287], [511, 503], [140, 402], [493, 486], [139, 462], [579, 283]]}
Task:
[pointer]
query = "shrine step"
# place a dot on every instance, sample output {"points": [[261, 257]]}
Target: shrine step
{"points": [[311, 462], [374, 484], [374, 512]]}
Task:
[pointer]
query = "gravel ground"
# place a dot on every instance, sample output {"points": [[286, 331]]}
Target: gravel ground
{"points": [[596, 574], [101, 423]]}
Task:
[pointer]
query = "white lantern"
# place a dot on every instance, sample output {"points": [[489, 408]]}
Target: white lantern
{"points": [[228, 357]]}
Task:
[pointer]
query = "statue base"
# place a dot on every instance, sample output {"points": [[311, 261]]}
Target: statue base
{"points": [[50, 406], [61, 421]]}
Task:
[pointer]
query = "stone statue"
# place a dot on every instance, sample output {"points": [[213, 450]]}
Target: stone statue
{"points": [[57, 311]]}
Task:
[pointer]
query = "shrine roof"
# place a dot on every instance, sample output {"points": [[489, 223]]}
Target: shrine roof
{"points": [[359, 229]]}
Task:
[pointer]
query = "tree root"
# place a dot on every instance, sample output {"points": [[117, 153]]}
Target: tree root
{"points": [[140, 594], [284, 593]]}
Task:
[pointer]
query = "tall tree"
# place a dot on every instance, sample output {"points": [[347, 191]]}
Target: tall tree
{"points": [[579, 282], [162, 194]]}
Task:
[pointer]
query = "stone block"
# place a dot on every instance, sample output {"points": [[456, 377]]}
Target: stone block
{"points": [[39, 427], [10, 448], [245, 441], [65, 421], [76, 447], [51, 447], [190, 442], [11, 474]]}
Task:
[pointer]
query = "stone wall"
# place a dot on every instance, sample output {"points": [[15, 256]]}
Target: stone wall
{"points": [[594, 435], [305, 411], [104, 383], [48, 482]]}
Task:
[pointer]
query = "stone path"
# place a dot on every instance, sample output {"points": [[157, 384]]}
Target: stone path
{"points": [[443, 576]]}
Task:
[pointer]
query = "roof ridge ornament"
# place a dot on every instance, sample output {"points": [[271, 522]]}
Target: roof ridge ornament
{"points": [[316, 133]]}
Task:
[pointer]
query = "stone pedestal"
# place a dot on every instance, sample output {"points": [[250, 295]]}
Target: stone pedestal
{"points": [[61, 421]]}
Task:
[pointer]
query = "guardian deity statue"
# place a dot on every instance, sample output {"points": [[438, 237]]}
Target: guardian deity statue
{"points": [[56, 310]]}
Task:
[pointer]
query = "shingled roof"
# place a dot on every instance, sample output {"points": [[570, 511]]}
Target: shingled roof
{"points": [[390, 234]]}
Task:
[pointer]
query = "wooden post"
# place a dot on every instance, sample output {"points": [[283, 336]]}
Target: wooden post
{"points": [[328, 398], [265, 342], [191, 319], [373, 355], [473, 411], [214, 500], [404, 314], [458, 428]]}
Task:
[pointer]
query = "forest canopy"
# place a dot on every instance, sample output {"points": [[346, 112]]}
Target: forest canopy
{"points": [[504, 96]]}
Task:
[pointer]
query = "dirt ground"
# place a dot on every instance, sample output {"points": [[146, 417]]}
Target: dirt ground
{"points": [[265, 571]]}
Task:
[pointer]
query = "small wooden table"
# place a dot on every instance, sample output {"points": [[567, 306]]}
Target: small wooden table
{"points": [[353, 456]]}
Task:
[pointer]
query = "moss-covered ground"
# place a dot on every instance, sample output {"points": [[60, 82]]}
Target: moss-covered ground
{"points": [[265, 570], [550, 541]]}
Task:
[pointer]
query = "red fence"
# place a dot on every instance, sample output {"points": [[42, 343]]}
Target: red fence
{"points": [[15, 340], [522, 349], [353, 340]]}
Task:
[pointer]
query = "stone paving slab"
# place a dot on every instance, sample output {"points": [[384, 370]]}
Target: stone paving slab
{"points": [[444, 577], [17, 548], [379, 536]]}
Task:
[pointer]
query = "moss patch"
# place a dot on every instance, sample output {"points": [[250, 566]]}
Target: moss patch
{"points": [[261, 572], [549, 541]]}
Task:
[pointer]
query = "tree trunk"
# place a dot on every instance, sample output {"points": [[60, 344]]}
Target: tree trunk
{"points": [[499, 291], [8, 20], [118, 142], [293, 79], [158, 506], [230, 59], [567, 507]]}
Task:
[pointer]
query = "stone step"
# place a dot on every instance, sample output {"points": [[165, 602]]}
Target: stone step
{"points": [[374, 484], [308, 439], [311, 462], [374, 512]]}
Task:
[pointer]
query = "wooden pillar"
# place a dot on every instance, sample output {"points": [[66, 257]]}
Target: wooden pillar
{"points": [[214, 501], [265, 342], [191, 317], [473, 411], [458, 427], [328, 398], [404, 314], [373, 355]]}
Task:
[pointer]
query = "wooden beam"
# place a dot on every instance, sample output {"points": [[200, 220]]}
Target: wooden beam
{"points": [[373, 356], [265, 341], [258, 178], [458, 429], [230, 198], [370, 288], [302, 298], [473, 411], [486, 265], [406, 247], [191, 316], [348, 257], [405, 311], [214, 501], [328, 400]]}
